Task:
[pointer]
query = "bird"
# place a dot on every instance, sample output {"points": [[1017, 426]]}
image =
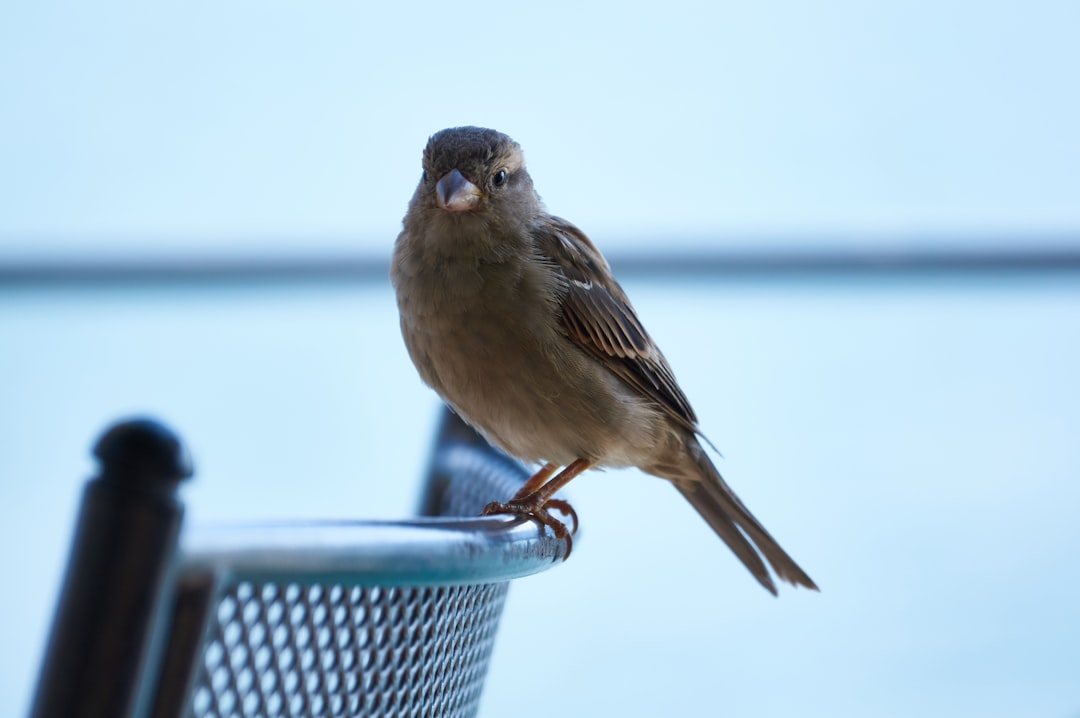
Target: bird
{"points": [[513, 316]]}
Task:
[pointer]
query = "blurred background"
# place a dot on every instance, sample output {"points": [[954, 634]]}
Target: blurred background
{"points": [[854, 228]]}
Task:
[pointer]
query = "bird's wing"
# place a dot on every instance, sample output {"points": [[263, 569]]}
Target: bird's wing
{"points": [[597, 316]]}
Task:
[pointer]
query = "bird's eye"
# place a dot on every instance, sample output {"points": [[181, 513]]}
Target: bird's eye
{"points": [[423, 176], [500, 178]]}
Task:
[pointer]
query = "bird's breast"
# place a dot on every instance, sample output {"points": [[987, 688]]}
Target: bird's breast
{"points": [[488, 338]]}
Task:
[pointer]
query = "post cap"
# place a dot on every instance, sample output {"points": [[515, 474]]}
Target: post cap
{"points": [[142, 451]]}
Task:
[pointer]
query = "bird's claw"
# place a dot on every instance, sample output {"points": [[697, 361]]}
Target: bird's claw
{"points": [[530, 510], [564, 507]]}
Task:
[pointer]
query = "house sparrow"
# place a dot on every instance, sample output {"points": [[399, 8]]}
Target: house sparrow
{"points": [[513, 317]]}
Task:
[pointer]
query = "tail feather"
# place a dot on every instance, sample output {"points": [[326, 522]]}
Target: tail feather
{"points": [[734, 523], [726, 529]]}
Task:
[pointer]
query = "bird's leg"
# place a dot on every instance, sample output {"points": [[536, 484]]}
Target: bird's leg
{"points": [[533, 504], [542, 496], [535, 481]]}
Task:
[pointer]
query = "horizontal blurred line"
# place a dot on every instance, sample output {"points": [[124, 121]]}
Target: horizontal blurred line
{"points": [[638, 265]]}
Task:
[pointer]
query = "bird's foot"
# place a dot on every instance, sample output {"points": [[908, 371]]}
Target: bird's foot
{"points": [[532, 510]]}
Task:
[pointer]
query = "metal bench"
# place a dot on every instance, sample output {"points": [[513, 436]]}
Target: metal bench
{"points": [[366, 618]]}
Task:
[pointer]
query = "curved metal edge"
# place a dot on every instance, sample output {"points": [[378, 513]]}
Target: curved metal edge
{"points": [[420, 552]]}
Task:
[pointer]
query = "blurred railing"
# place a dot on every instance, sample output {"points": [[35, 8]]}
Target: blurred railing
{"points": [[1059, 254]]}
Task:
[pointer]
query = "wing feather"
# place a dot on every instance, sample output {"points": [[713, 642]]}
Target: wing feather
{"points": [[597, 315]]}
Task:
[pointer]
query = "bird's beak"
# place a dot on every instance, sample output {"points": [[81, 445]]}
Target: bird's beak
{"points": [[454, 193]]}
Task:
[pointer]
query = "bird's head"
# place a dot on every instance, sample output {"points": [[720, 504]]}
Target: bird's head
{"points": [[473, 171]]}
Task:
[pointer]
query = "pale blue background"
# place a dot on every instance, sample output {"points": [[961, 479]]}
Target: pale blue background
{"points": [[912, 441], [247, 126]]}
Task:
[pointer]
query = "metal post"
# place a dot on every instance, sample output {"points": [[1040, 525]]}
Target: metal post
{"points": [[125, 541]]}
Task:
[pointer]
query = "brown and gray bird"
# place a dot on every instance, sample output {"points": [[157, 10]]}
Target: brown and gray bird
{"points": [[513, 317]]}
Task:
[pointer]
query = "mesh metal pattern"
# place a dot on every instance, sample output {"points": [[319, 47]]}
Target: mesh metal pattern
{"points": [[347, 651], [392, 619]]}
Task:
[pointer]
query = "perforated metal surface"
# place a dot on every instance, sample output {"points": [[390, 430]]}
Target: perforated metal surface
{"points": [[391, 619], [347, 651]]}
